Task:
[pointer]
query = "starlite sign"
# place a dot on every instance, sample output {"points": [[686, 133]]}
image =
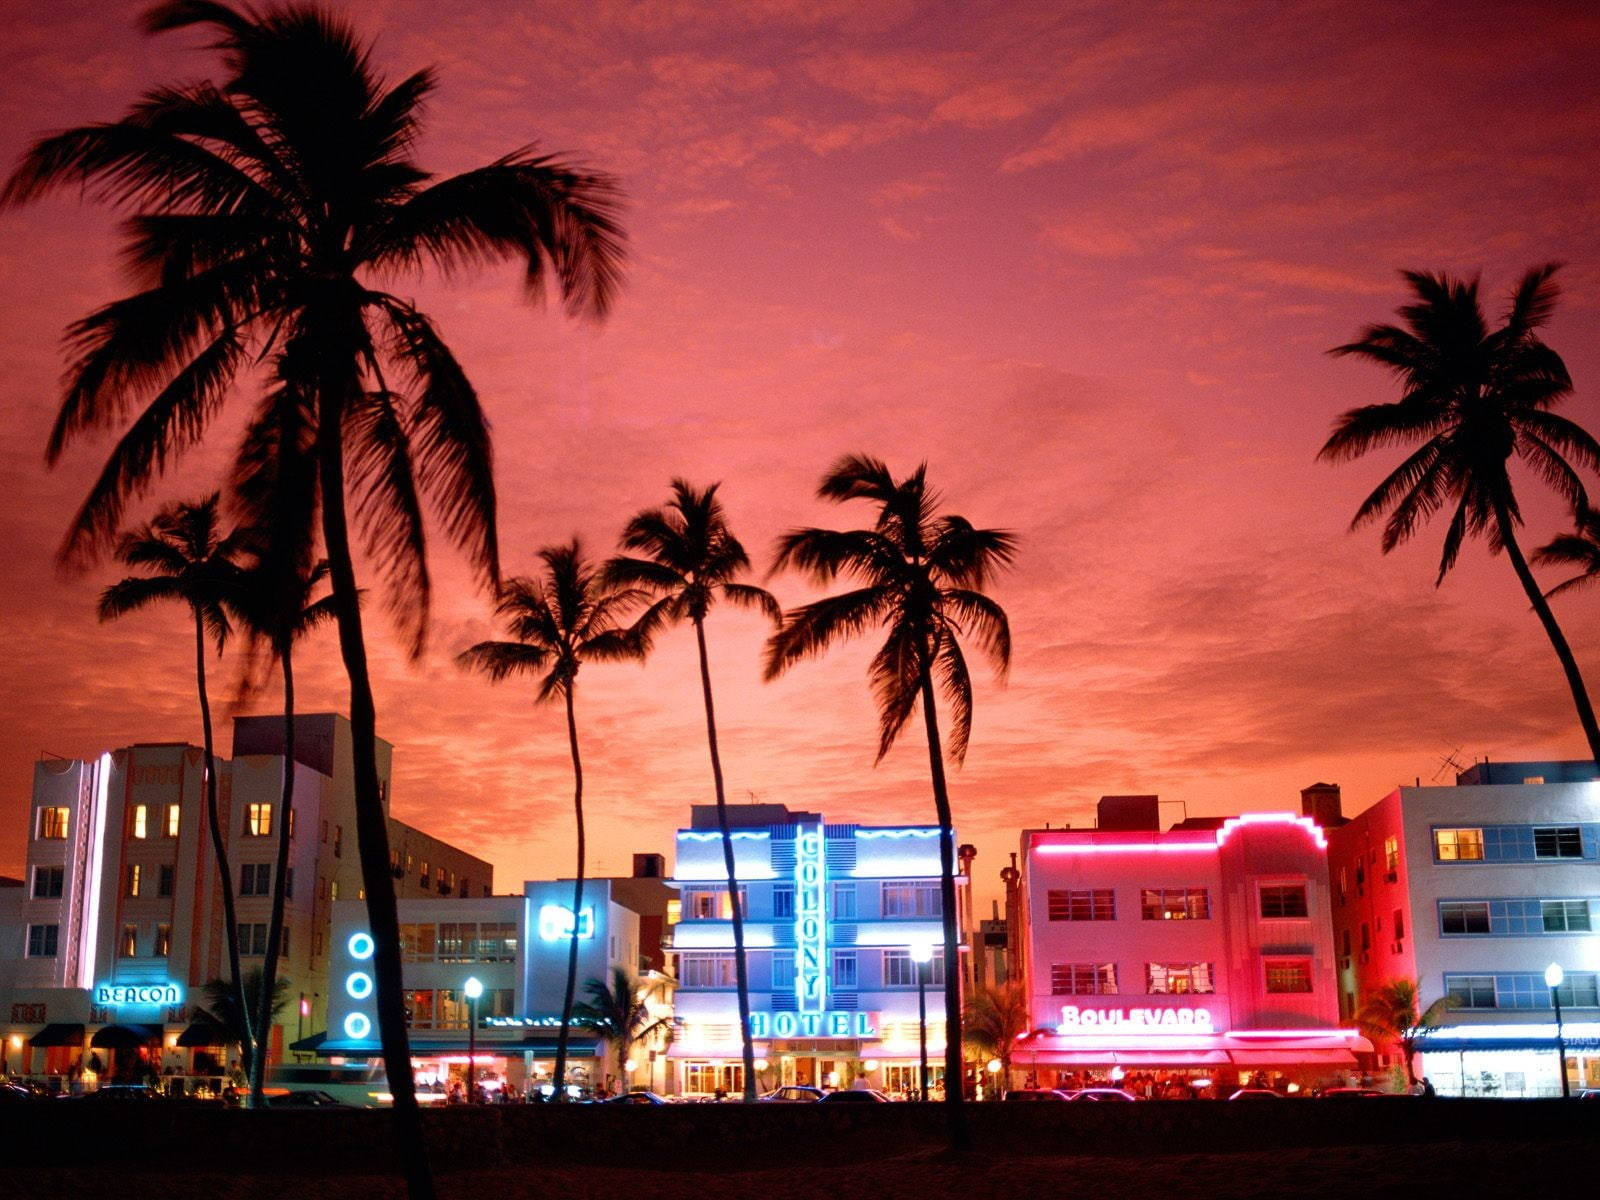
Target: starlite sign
{"points": [[1133, 1020], [151, 995], [810, 927], [812, 1025]]}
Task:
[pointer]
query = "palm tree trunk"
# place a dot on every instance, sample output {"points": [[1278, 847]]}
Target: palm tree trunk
{"points": [[219, 843], [269, 971], [1541, 606], [577, 899], [954, 1098], [741, 970], [372, 830]]}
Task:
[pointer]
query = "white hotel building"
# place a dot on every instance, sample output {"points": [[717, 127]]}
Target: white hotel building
{"points": [[831, 916]]}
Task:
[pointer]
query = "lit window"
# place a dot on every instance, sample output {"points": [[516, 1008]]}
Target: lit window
{"points": [[1458, 845], [134, 874], [258, 820], [53, 822], [42, 940], [1391, 857], [899, 970], [1175, 904], [130, 941], [333, 889], [163, 941], [706, 970], [911, 899], [1288, 975], [1283, 900], [674, 911], [174, 813], [1178, 979], [1558, 841], [47, 882], [1565, 916], [1463, 916], [422, 878], [141, 821], [1096, 904], [1083, 979]]}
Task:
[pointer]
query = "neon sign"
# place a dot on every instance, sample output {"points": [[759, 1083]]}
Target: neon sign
{"points": [[813, 1025], [555, 923], [810, 927], [110, 995], [1192, 1020]]}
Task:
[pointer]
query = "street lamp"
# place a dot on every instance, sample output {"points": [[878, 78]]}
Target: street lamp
{"points": [[1553, 977], [922, 955], [473, 989]]}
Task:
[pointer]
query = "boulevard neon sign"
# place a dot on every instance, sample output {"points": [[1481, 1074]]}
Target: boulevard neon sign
{"points": [[112, 995], [810, 928], [1168, 1020], [812, 1025]]}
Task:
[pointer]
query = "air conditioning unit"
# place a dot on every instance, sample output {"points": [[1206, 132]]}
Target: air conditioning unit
{"points": [[1344, 963], [1363, 957], [1393, 876], [1397, 948]]}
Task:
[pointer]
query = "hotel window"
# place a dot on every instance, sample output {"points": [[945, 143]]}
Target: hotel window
{"points": [[1580, 990], [900, 971], [1399, 924], [438, 881], [1463, 916], [130, 941], [706, 970], [141, 821], [394, 855], [53, 823], [338, 844], [1083, 979], [782, 900], [1558, 841], [165, 877], [288, 883], [419, 1009], [418, 942], [1343, 885], [845, 974], [1366, 937], [920, 899], [458, 941], [422, 877], [135, 871], [1391, 858], [1470, 991], [1346, 943], [333, 890], [255, 879], [252, 939], [674, 911], [257, 820], [1289, 975], [47, 882], [1178, 979], [497, 941], [782, 972], [164, 941], [1565, 916], [174, 816], [1097, 904], [1458, 845], [42, 940], [1175, 904], [1280, 900], [844, 902]]}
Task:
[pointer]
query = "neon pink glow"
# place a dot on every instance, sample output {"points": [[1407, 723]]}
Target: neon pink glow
{"points": [[1165, 847], [1273, 818], [1294, 1033]]}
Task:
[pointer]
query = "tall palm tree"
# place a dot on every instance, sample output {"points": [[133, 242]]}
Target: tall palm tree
{"points": [[1580, 549], [995, 1018], [921, 575], [618, 1010], [568, 616], [186, 556], [1389, 1013], [1475, 397], [690, 560], [275, 608], [265, 211]]}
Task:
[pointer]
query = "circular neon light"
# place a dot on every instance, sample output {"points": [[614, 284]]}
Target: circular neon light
{"points": [[357, 1026], [361, 946], [359, 985]]}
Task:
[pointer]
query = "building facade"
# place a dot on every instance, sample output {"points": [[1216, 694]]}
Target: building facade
{"points": [[1202, 953], [1471, 892], [835, 918], [121, 922]]}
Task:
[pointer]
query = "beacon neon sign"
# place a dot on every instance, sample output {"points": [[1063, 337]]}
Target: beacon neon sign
{"points": [[113, 995], [810, 927]]}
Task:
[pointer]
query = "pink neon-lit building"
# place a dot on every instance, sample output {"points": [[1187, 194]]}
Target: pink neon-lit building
{"points": [[1203, 951]]}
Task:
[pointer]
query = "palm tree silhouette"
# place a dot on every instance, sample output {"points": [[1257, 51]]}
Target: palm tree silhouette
{"points": [[228, 1008], [568, 616], [995, 1018], [1389, 1013], [922, 575], [691, 560], [264, 210], [618, 1009], [1474, 396], [187, 557], [1580, 549]]}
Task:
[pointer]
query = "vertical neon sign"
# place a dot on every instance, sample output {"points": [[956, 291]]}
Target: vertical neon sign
{"points": [[811, 927]]}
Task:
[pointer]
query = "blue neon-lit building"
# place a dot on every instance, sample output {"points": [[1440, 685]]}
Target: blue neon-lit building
{"points": [[834, 916]]}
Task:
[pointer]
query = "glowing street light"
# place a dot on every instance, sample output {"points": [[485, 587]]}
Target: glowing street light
{"points": [[922, 955], [474, 989], [1553, 978]]}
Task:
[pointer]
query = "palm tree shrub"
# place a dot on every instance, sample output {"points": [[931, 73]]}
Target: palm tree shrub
{"points": [[568, 616], [921, 576], [1389, 1014], [688, 559], [1475, 396], [995, 1017], [231, 1010], [618, 1009]]}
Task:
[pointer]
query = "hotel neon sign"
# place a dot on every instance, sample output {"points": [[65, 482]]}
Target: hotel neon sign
{"points": [[765, 1025], [1163, 1020], [113, 995], [810, 929]]}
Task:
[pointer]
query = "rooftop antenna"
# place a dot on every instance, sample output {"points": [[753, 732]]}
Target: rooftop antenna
{"points": [[1450, 763]]}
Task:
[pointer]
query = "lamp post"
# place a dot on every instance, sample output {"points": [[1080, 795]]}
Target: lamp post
{"points": [[1553, 977], [473, 989], [922, 955]]}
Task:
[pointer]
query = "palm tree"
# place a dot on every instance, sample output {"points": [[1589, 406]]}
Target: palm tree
{"points": [[275, 608], [263, 212], [995, 1018], [1389, 1014], [568, 616], [690, 561], [1474, 396], [1580, 549], [229, 1009], [619, 1011], [187, 557], [921, 576]]}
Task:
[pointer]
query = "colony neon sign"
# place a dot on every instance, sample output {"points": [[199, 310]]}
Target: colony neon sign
{"points": [[812, 1025], [810, 927], [1166, 1020], [114, 995]]}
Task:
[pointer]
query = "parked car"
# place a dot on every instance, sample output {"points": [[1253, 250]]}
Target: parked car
{"points": [[794, 1093], [1255, 1094], [116, 1093], [282, 1098], [637, 1097], [1337, 1093], [855, 1096], [1038, 1095], [1115, 1095]]}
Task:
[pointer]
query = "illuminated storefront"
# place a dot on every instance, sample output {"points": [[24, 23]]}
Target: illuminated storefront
{"points": [[835, 919]]}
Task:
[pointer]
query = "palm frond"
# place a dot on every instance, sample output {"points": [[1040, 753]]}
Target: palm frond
{"points": [[811, 629]]}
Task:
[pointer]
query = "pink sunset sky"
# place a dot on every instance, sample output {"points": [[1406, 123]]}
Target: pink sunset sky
{"points": [[1083, 259]]}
